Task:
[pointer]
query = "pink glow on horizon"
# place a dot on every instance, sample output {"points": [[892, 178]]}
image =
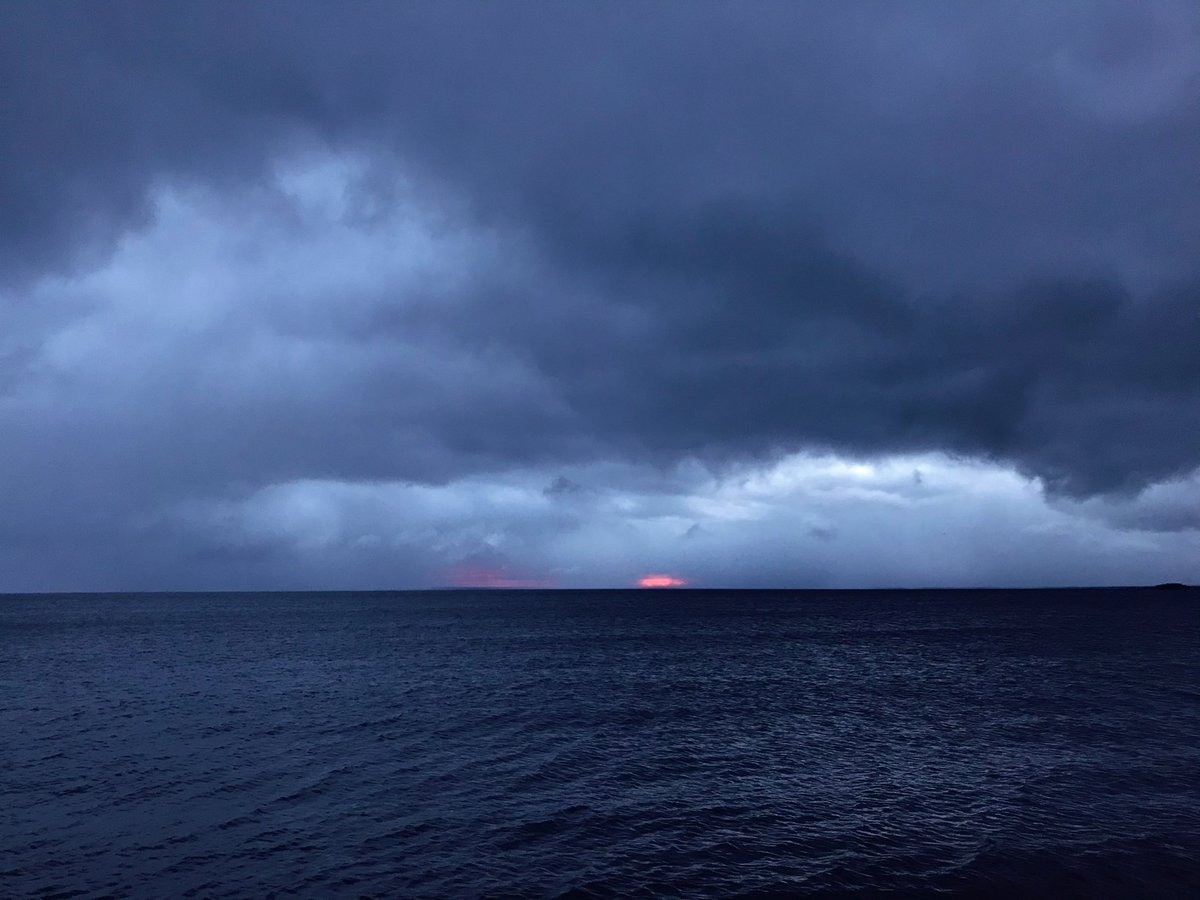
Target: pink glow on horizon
{"points": [[660, 581], [490, 577]]}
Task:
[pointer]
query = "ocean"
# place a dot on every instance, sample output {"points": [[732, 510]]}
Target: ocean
{"points": [[601, 743]]}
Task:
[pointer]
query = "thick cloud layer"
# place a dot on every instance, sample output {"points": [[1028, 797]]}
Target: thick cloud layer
{"points": [[244, 247]]}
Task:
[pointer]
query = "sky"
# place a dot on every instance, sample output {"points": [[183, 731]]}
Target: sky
{"points": [[821, 294]]}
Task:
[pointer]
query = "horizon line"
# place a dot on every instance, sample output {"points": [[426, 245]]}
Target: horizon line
{"points": [[628, 589]]}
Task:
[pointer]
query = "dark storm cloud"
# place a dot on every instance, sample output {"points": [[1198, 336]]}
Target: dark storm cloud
{"points": [[762, 337], [735, 231], [1006, 131]]}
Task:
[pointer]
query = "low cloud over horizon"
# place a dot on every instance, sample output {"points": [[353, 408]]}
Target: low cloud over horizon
{"points": [[569, 295]]}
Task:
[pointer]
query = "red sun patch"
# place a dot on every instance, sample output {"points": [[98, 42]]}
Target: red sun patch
{"points": [[660, 581]]}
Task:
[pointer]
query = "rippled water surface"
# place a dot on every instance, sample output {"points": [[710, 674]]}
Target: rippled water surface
{"points": [[594, 744]]}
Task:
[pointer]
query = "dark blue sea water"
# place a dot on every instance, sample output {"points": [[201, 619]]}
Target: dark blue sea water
{"points": [[595, 744]]}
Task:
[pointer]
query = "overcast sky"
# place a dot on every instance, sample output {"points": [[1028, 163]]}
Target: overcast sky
{"points": [[320, 295]]}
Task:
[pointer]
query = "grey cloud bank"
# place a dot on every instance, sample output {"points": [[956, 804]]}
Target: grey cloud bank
{"points": [[247, 249]]}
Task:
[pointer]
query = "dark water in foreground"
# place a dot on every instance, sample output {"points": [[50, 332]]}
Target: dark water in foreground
{"points": [[592, 744]]}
